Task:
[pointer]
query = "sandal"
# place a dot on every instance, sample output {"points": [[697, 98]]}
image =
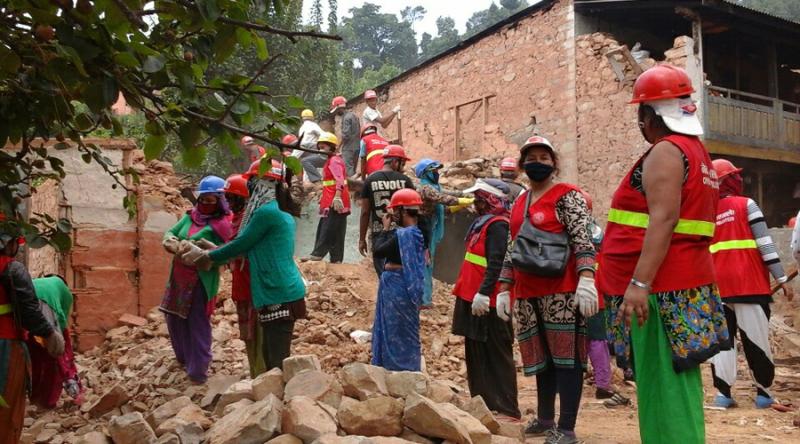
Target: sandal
{"points": [[616, 401]]}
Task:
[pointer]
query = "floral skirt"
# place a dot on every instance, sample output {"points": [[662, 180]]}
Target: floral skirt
{"points": [[550, 332], [694, 322]]}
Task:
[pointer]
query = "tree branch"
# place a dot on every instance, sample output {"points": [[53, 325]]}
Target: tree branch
{"points": [[291, 35], [129, 14], [253, 79]]}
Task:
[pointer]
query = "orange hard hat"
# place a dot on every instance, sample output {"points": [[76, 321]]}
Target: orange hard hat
{"points": [[236, 184], [289, 139], [274, 173], [395, 151], [370, 94], [405, 198], [661, 82], [246, 140], [508, 164], [725, 168], [337, 102]]}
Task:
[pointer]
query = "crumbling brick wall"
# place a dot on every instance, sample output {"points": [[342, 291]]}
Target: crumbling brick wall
{"points": [[524, 70], [45, 200]]}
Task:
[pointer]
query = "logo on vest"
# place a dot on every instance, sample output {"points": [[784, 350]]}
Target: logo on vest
{"points": [[726, 217], [538, 217]]}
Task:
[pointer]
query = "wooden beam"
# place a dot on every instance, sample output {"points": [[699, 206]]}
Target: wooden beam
{"points": [[732, 149]]}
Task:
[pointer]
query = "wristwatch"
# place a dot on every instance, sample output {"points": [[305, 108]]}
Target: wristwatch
{"points": [[640, 284]]}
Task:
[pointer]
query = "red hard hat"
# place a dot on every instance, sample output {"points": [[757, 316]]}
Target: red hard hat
{"points": [[236, 184], [661, 82], [405, 198], [508, 164], [588, 198], [274, 173], [370, 94], [792, 222], [367, 126], [395, 151], [337, 102], [725, 168], [289, 139], [246, 140]]}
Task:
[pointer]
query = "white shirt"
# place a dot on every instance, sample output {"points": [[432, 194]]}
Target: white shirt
{"points": [[311, 132], [796, 240], [371, 115]]}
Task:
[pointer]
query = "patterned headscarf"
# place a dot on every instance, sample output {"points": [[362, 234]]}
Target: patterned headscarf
{"points": [[498, 206], [263, 192]]}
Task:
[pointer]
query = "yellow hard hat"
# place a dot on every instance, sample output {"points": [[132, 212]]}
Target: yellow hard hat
{"points": [[329, 138], [307, 113]]}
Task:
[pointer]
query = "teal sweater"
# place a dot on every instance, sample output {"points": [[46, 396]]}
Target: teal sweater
{"points": [[210, 278], [268, 243]]}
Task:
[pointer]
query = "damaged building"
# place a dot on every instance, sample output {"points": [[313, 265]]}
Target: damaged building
{"points": [[564, 69]]}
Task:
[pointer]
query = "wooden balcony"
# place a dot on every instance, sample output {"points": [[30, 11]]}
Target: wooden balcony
{"points": [[751, 120]]}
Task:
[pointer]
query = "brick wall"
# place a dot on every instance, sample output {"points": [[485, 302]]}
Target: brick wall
{"points": [[524, 70], [45, 200]]}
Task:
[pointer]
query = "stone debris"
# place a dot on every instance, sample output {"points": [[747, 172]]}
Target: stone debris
{"points": [[307, 420], [381, 415], [131, 429], [269, 383], [317, 386], [253, 424]]}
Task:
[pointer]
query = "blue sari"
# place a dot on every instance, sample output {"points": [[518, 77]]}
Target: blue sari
{"points": [[435, 235], [395, 332]]}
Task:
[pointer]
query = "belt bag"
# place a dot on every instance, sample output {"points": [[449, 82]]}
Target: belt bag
{"points": [[539, 252]]}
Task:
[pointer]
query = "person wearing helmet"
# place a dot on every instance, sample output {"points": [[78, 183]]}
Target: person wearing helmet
{"points": [[554, 288], [52, 375], [371, 115], [376, 195], [509, 172], [350, 130], [334, 205], [190, 294], [371, 152], [656, 261], [479, 316], [744, 257], [251, 151], [395, 331], [435, 203], [19, 312], [266, 238], [237, 194], [309, 132]]}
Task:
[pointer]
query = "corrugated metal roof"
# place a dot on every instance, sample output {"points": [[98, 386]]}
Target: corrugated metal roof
{"points": [[761, 11]]}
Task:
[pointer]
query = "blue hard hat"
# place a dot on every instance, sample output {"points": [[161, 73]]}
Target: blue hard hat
{"points": [[211, 184], [425, 165]]}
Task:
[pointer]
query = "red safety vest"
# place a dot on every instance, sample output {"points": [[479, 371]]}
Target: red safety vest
{"points": [[329, 186], [688, 262], [8, 328], [474, 266], [543, 216], [375, 145], [738, 265]]}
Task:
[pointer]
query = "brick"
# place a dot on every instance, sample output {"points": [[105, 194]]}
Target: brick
{"points": [[132, 320]]}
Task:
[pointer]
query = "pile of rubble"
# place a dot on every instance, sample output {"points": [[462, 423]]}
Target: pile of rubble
{"points": [[134, 374], [462, 174], [157, 178]]}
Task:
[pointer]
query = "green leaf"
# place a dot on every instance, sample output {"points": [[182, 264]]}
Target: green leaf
{"points": [[101, 94], [154, 145], [261, 48], [84, 122], [240, 107], [294, 164], [9, 60], [64, 225], [154, 127], [126, 59], [244, 37], [34, 240], [61, 241], [295, 102], [153, 64], [193, 157], [189, 134], [208, 9]]}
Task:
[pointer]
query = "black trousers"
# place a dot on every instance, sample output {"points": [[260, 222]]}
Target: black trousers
{"points": [[491, 372], [331, 232], [567, 383], [277, 342]]}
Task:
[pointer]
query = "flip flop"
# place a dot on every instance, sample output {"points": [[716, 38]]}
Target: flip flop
{"points": [[616, 401]]}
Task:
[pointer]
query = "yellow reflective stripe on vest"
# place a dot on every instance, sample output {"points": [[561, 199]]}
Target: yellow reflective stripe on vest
{"points": [[374, 153], [328, 183], [642, 220], [745, 244], [5, 309], [475, 259]]}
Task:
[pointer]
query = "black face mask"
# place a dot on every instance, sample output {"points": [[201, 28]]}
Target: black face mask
{"points": [[537, 171]]}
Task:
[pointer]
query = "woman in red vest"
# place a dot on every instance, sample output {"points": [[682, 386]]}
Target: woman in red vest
{"points": [[655, 254], [551, 305], [744, 257], [483, 320]]}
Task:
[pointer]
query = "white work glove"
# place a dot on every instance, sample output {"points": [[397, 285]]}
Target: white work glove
{"points": [[503, 305], [190, 255], [171, 244], [480, 304], [337, 205], [586, 296], [396, 109], [55, 344], [205, 244], [204, 262]]}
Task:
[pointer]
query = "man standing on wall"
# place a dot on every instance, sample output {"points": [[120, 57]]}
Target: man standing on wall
{"points": [[310, 132], [350, 132], [376, 194], [371, 113]]}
